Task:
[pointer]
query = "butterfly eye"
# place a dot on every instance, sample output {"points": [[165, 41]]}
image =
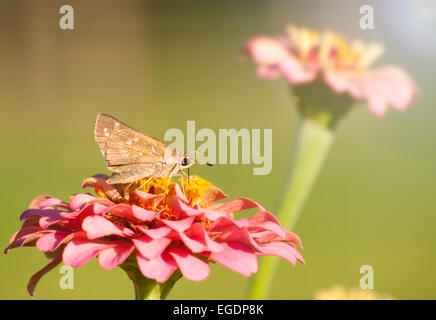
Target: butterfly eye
{"points": [[185, 161]]}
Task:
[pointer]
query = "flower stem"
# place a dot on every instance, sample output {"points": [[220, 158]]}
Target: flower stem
{"points": [[145, 288], [313, 142]]}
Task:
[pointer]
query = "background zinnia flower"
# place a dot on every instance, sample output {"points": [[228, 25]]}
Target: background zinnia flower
{"points": [[158, 235], [328, 77], [304, 55]]}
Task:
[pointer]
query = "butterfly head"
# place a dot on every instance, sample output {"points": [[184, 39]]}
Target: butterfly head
{"points": [[186, 161]]}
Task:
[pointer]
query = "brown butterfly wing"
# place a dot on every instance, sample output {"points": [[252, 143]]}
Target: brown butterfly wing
{"points": [[122, 145], [134, 172]]}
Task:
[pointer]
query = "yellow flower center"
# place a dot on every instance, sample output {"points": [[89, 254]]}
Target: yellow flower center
{"points": [[331, 49], [155, 185], [195, 188]]}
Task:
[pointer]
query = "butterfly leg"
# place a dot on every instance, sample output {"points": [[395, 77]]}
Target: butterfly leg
{"points": [[183, 173], [183, 185], [169, 179], [144, 183], [166, 186], [171, 174], [186, 175], [189, 180], [126, 191]]}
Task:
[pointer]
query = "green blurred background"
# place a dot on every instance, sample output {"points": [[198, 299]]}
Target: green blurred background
{"points": [[156, 64]]}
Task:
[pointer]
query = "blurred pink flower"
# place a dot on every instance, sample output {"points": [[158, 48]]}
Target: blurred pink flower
{"points": [[182, 230], [340, 293], [303, 55]]}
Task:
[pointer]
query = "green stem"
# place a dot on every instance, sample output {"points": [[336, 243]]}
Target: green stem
{"points": [[313, 142], [148, 289]]}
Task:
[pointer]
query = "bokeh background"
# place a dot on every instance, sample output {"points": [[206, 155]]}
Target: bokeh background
{"points": [[156, 64]]}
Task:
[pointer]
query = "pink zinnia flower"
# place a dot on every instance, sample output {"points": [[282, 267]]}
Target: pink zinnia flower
{"points": [[182, 229], [304, 55]]}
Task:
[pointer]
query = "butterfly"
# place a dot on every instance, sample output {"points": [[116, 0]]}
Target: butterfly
{"points": [[133, 155]]}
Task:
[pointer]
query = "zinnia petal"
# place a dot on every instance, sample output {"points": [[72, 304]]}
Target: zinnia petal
{"points": [[112, 257], [197, 239], [266, 50], [79, 200], [151, 248], [180, 225], [191, 267], [266, 220], [97, 227], [159, 268], [18, 237], [282, 250], [131, 211], [50, 241], [51, 213], [79, 252], [156, 233], [37, 276], [99, 181], [34, 204], [51, 202], [182, 209], [237, 257], [236, 205]]}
